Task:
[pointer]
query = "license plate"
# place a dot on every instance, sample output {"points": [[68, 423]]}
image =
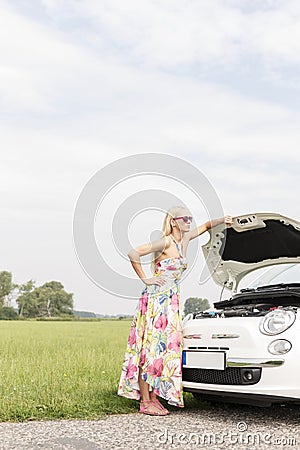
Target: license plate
{"points": [[204, 360]]}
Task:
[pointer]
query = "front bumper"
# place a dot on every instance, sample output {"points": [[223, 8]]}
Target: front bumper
{"points": [[256, 399], [245, 350], [254, 362]]}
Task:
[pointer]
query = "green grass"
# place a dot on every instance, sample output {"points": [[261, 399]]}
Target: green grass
{"points": [[55, 370]]}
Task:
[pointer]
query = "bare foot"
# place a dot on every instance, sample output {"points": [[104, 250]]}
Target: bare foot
{"points": [[157, 402]]}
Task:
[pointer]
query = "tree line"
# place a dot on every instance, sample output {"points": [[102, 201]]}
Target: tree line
{"points": [[47, 300], [51, 300]]}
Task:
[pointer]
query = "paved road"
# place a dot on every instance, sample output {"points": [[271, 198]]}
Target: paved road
{"points": [[215, 427]]}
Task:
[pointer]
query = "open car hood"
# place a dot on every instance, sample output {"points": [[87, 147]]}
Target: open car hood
{"points": [[251, 242]]}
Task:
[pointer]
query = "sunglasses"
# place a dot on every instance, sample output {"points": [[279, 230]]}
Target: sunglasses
{"points": [[184, 218]]}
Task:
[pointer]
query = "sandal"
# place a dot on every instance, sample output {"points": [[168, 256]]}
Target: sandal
{"points": [[144, 405], [157, 402]]}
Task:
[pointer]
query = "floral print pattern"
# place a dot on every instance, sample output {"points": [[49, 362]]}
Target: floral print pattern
{"points": [[155, 338]]}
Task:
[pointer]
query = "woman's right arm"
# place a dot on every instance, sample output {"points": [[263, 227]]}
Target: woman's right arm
{"points": [[142, 250]]}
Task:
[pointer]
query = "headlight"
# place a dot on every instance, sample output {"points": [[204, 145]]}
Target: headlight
{"points": [[279, 347], [277, 321]]}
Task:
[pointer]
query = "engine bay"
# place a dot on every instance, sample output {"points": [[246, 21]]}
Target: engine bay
{"points": [[256, 302]]}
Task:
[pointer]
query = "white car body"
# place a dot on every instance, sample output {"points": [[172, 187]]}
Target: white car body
{"points": [[226, 350]]}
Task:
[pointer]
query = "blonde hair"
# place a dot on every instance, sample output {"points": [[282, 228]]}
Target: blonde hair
{"points": [[167, 227]]}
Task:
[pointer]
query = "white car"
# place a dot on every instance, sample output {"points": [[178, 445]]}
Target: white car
{"points": [[247, 348]]}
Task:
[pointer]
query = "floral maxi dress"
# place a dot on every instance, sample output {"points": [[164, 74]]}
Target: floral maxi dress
{"points": [[155, 338]]}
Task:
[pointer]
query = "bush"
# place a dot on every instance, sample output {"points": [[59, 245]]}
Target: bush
{"points": [[8, 313]]}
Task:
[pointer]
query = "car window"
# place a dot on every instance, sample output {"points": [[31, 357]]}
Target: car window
{"points": [[279, 273]]}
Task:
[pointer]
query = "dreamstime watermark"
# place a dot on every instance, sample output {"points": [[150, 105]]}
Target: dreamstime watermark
{"points": [[99, 186], [241, 436]]}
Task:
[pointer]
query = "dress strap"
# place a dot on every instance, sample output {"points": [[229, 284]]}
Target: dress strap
{"points": [[177, 245]]}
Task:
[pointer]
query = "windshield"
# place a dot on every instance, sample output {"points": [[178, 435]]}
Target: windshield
{"points": [[279, 273]]}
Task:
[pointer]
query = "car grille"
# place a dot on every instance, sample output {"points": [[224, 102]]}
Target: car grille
{"points": [[231, 375]]}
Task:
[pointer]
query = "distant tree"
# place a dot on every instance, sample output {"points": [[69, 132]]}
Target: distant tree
{"points": [[58, 301], [24, 290], [6, 288], [195, 304], [48, 300], [55, 285]]}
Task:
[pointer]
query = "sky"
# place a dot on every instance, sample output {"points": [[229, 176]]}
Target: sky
{"points": [[86, 83]]}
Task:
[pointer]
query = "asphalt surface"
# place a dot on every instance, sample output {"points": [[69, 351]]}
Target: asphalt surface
{"points": [[216, 426]]}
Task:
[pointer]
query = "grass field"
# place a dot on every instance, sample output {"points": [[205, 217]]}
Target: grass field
{"points": [[54, 370]]}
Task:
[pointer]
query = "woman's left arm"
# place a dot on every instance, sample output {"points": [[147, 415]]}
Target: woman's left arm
{"points": [[207, 225]]}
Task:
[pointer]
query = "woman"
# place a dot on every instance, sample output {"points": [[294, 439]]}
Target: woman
{"points": [[152, 362]]}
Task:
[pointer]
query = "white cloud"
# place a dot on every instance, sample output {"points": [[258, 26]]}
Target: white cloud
{"points": [[43, 71], [176, 33]]}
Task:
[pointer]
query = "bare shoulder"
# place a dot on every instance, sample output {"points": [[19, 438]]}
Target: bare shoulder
{"points": [[167, 241]]}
